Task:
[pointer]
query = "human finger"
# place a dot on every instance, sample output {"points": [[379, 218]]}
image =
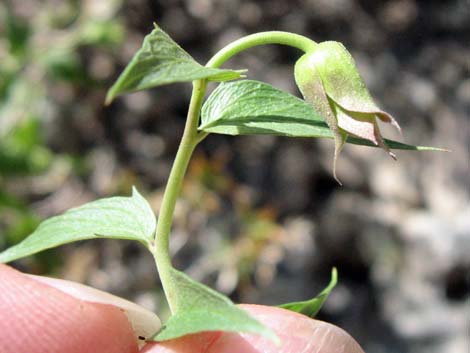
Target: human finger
{"points": [[46, 315], [298, 333]]}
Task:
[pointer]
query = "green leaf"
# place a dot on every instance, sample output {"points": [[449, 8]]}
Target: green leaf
{"points": [[248, 107], [312, 307], [198, 308], [395, 145], [161, 61], [115, 217], [253, 107]]}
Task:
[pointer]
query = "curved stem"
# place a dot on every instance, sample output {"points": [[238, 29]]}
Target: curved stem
{"points": [[272, 37], [161, 246]]}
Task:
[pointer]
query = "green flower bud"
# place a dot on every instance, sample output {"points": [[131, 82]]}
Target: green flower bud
{"points": [[328, 79]]}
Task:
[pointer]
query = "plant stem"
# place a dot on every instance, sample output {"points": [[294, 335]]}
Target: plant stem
{"points": [[161, 246], [272, 37]]}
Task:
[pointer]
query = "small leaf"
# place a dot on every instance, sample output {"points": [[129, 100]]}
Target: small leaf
{"points": [[115, 217], [198, 308], [248, 107], [253, 107], [312, 307], [161, 61]]}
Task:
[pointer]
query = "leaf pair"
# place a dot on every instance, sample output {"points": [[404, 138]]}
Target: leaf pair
{"points": [[198, 307], [192, 315], [241, 107]]}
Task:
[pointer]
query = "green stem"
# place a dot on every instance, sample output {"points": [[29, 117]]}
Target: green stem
{"points": [[190, 139], [161, 248], [272, 37]]}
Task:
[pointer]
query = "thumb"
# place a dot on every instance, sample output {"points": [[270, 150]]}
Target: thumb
{"points": [[40, 315], [298, 333]]}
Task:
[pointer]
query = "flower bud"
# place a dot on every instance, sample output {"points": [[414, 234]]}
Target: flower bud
{"points": [[328, 79]]}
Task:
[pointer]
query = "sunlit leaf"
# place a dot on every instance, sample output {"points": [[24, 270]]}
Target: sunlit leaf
{"points": [[312, 307], [198, 308], [248, 107], [115, 217], [161, 61]]}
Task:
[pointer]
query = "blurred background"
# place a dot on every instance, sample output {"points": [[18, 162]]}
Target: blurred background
{"points": [[261, 218]]}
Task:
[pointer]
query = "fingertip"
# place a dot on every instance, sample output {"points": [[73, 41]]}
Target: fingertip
{"points": [[298, 333], [38, 318]]}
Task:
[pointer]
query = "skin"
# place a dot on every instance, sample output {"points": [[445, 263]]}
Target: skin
{"points": [[37, 317]]}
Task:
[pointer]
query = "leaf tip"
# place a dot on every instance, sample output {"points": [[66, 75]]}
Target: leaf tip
{"points": [[334, 276], [338, 147], [136, 194], [109, 98], [431, 149], [438, 149], [335, 176]]}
